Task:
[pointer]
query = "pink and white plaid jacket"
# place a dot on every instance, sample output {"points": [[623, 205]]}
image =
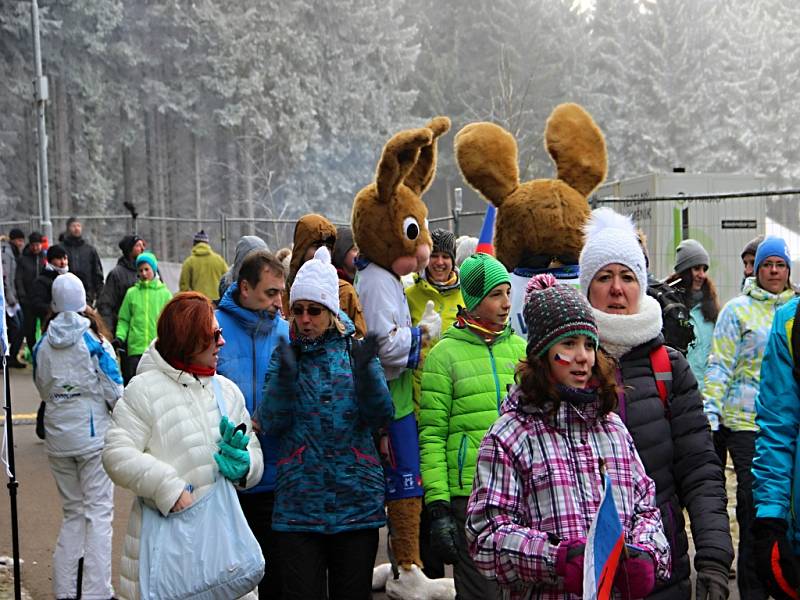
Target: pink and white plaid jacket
{"points": [[538, 482]]}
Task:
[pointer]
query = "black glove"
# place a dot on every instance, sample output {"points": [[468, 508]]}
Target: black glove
{"points": [[364, 352], [119, 345], [443, 531], [288, 371], [712, 581], [781, 578]]}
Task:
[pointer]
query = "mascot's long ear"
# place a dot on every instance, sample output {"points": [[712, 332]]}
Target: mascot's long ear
{"points": [[421, 176], [577, 146], [487, 156], [400, 154]]}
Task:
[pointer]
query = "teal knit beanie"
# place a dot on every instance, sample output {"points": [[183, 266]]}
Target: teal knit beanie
{"points": [[149, 258], [480, 273]]}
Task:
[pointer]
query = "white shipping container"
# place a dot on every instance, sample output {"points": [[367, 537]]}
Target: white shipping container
{"points": [[723, 226]]}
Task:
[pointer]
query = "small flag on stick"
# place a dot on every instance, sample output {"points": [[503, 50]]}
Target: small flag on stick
{"points": [[485, 241], [604, 546]]}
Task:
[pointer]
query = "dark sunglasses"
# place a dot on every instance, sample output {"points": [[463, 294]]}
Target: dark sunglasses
{"points": [[314, 311], [217, 334]]}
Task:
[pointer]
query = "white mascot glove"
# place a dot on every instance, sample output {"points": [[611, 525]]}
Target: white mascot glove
{"points": [[430, 323]]}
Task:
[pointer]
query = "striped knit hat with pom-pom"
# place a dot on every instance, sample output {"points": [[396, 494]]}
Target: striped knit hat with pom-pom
{"points": [[553, 312]]}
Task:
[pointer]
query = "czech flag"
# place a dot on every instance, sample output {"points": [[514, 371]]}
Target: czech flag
{"points": [[604, 546], [485, 244]]}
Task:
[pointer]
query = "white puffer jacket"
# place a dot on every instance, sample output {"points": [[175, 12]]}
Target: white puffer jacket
{"points": [[78, 378], [163, 437]]}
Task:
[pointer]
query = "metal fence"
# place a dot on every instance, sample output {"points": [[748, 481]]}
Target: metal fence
{"points": [[723, 223], [170, 238]]}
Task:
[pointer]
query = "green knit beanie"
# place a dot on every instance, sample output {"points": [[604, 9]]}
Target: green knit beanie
{"points": [[480, 273]]}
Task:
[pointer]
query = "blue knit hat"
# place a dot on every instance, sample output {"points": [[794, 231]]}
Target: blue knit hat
{"points": [[149, 258], [772, 246]]}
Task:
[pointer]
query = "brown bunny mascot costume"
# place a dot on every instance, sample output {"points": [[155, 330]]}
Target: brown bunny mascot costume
{"points": [[390, 228], [539, 226]]}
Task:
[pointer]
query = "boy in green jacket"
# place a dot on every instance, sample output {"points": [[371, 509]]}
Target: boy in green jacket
{"points": [[138, 315], [464, 381]]}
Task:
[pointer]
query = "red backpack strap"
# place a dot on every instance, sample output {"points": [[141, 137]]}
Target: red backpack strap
{"points": [[662, 369]]}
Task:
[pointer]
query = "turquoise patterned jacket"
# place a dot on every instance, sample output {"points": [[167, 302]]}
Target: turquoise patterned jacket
{"points": [[330, 478]]}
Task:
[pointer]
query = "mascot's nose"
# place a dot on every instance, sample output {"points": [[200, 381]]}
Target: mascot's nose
{"points": [[423, 256]]}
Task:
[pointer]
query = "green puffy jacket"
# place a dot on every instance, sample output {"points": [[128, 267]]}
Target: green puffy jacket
{"points": [[139, 314], [464, 381]]}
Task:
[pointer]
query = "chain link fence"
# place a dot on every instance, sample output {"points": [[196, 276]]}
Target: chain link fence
{"points": [[723, 223], [170, 238]]}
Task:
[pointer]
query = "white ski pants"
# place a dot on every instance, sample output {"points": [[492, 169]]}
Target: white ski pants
{"points": [[88, 497]]}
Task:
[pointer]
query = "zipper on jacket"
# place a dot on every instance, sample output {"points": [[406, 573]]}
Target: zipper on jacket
{"points": [[91, 423], [496, 378], [462, 458], [255, 384]]}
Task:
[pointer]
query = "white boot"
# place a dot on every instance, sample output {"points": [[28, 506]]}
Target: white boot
{"points": [[380, 576], [414, 585]]}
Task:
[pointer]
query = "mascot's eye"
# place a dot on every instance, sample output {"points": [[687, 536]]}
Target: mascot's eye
{"points": [[410, 228]]}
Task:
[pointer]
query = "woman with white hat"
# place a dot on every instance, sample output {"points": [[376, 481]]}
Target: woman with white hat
{"points": [[325, 394], [79, 381], [661, 407]]}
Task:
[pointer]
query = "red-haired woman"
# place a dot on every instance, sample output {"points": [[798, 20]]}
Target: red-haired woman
{"points": [[164, 441]]}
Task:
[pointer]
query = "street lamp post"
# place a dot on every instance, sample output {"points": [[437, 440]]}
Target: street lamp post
{"points": [[41, 96]]}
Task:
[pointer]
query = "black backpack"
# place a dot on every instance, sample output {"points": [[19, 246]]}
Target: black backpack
{"points": [[677, 327]]}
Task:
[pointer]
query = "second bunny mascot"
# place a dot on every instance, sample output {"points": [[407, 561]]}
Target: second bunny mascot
{"points": [[390, 228]]}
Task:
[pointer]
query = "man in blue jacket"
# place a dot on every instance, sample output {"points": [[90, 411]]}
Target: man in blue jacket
{"points": [[776, 464], [249, 314]]}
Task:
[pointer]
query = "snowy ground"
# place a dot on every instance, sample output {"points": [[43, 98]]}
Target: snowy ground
{"points": [[7, 580]]}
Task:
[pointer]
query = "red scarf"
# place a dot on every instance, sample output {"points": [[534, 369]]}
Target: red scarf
{"points": [[194, 369]]}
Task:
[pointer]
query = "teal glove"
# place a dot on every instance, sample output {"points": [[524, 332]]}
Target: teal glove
{"points": [[233, 463], [236, 439]]}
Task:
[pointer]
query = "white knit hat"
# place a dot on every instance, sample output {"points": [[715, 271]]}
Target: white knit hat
{"points": [[68, 294], [317, 281], [611, 238]]}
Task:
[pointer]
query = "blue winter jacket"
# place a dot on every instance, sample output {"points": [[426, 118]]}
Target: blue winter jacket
{"points": [[776, 464], [250, 336], [330, 478]]}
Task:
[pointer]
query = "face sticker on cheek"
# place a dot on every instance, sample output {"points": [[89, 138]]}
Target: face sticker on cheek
{"points": [[562, 360]]}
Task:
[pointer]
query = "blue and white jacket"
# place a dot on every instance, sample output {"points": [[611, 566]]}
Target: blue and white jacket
{"points": [[250, 337], [776, 463], [330, 478], [79, 380]]}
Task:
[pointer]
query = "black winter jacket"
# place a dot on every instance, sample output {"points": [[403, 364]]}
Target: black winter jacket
{"points": [[678, 454], [85, 263], [29, 267], [42, 294], [121, 277]]}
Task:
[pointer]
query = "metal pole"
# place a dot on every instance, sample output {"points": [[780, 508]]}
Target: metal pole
{"points": [[41, 95], [223, 227], [458, 206], [12, 481]]}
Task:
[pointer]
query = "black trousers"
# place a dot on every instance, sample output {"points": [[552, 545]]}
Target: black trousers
{"points": [[741, 445], [257, 509], [15, 335], [29, 325], [340, 563], [470, 584], [129, 366]]}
